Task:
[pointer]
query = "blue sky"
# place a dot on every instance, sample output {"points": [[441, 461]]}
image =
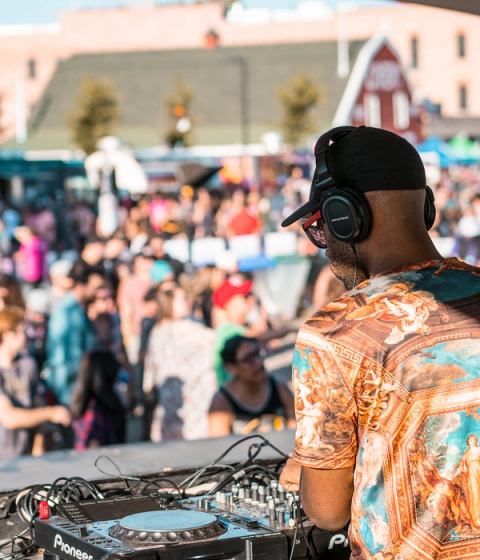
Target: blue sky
{"points": [[45, 11]]}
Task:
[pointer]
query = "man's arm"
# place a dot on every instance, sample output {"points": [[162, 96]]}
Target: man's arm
{"points": [[14, 418], [323, 402], [326, 496]]}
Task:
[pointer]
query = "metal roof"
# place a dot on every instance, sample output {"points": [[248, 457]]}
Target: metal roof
{"points": [[469, 6]]}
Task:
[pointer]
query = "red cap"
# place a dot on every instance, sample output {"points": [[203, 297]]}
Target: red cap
{"points": [[229, 289]]}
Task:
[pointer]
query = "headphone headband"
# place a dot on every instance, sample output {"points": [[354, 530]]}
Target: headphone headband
{"points": [[323, 179]]}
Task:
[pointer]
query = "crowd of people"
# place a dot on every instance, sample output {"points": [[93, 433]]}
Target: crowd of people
{"points": [[95, 331]]}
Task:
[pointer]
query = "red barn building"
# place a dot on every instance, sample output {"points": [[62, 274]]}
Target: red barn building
{"points": [[378, 94]]}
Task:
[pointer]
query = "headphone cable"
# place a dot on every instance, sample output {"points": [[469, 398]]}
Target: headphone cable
{"points": [[354, 247]]}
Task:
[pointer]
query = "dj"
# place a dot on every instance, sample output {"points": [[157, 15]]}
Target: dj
{"points": [[387, 376]]}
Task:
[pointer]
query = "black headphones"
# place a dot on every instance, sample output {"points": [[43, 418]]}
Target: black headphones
{"points": [[346, 210]]}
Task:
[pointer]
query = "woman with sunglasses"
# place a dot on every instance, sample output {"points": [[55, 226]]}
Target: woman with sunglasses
{"points": [[251, 401]]}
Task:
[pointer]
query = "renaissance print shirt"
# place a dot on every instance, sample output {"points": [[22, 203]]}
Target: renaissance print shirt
{"points": [[387, 378]]}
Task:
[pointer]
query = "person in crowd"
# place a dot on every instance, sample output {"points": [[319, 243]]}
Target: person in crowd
{"points": [[156, 245], [11, 293], [108, 338], [60, 281], [30, 258], [18, 391], [69, 335], [131, 292], [150, 309], [242, 221], [161, 272], [36, 319], [250, 401], [116, 252], [137, 234], [234, 299], [93, 252], [98, 413], [203, 216], [178, 371], [386, 376]]}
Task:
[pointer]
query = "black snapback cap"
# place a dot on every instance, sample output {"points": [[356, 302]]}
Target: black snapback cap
{"points": [[366, 159]]}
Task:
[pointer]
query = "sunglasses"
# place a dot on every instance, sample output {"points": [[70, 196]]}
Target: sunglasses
{"points": [[253, 355], [313, 229]]}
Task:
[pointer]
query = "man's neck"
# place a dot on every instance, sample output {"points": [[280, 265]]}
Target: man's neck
{"points": [[408, 253]]}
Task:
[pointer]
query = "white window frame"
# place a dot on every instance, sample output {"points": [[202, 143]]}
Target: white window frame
{"points": [[401, 110], [373, 110]]}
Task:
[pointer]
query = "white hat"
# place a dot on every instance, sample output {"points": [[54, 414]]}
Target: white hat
{"points": [[61, 267], [38, 301]]}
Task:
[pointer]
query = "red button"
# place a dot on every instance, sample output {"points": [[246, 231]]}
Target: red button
{"points": [[43, 510]]}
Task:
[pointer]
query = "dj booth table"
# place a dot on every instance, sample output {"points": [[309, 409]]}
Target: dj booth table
{"points": [[172, 460]]}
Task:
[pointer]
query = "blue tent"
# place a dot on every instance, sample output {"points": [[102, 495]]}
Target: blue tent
{"points": [[434, 144]]}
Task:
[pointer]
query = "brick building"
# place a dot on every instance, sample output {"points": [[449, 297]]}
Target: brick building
{"points": [[439, 49]]}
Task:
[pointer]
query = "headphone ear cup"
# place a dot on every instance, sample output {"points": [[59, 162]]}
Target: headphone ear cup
{"points": [[429, 210], [347, 215]]}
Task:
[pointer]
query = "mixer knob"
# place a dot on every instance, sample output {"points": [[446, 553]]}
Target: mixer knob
{"points": [[235, 490], [229, 499], [220, 497], [280, 515], [241, 493], [274, 488], [254, 489]]}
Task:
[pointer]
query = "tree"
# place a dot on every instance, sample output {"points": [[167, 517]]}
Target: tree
{"points": [[179, 128], [298, 98], [97, 113]]}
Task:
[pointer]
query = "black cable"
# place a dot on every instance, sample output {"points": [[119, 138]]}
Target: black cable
{"points": [[244, 473], [159, 479], [125, 478], [195, 476]]}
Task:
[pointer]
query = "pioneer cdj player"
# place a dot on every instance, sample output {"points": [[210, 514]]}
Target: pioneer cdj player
{"points": [[244, 523]]}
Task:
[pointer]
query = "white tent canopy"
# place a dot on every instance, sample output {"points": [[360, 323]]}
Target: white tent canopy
{"points": [[129, 175]]}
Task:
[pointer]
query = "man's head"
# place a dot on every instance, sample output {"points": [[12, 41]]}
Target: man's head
{"points": [[364, 178], [243, 357], [157, 247], [85, 281], [94, 251], [12, 336], [59, 275]]}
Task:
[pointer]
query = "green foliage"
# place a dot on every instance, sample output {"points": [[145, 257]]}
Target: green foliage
{"points": [[179, 127], [298, 98], [96, 115]]}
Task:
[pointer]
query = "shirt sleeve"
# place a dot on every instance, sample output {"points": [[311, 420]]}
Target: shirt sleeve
{"points": [[326, 436]]}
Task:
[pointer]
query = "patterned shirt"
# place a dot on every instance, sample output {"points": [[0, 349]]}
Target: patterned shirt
{"points": [[387, 378], [179, 367]]}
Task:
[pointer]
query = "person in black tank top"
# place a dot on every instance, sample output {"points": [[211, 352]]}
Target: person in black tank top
{"points": [[251, 401]]}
